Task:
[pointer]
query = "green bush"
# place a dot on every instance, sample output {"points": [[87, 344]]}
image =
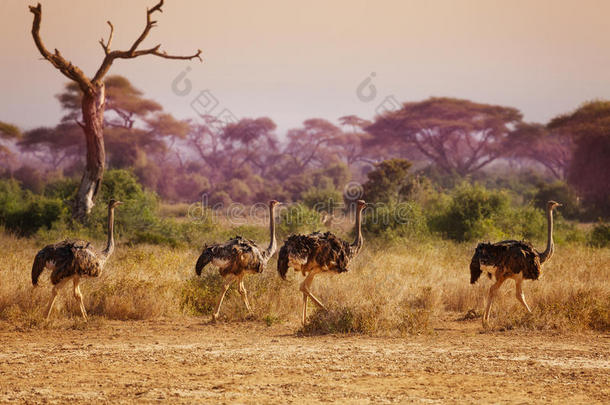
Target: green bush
{"points": [[562, 193], [297, 219], [63, 189], [471, 214], [39, 213], [121, 185], [25, 213], [395, 220], [388, 182], [138, 213], [521, 223], [199, 295], [322, 199], [11, 197], [600, 235]]}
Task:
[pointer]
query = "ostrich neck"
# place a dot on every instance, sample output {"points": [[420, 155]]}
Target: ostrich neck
{"points": [[273, 242], [110, 244], [550, 246], [357, 245]]}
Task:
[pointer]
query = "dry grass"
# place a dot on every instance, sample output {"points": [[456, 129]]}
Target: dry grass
{"points": [[402, 288]]}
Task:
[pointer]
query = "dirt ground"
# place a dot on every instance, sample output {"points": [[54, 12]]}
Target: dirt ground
{"points": [[190, 360]]}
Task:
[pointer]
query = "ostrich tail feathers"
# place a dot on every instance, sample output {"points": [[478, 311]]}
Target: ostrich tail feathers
{"points": [[282, 262], [39, 265], [475, 268], [204, 259]]}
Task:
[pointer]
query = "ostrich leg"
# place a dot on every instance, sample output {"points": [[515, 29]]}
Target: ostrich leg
{"points": [[305, 285], [492, 293], [54, 292], [244, 294], [79, 297], [228, 281], [519, 293]]}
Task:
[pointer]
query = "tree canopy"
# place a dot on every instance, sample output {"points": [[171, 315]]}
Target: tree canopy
{"points": [[456, 135]]}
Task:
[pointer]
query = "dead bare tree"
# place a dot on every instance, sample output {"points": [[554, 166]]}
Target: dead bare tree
{"points": [[94, 98]]}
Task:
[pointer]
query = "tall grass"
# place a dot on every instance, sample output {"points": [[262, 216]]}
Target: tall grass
{"points": [[400, 286]]}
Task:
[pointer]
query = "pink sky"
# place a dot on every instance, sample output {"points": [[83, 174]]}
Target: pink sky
{"points": [[296, 60]]}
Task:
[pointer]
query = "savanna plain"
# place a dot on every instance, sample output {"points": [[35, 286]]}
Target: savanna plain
{"points": [[403, 325]]}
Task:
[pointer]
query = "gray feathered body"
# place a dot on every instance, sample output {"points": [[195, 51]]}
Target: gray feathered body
{"points": [[509, 257], [66, 259], [234, 257], [325, 250]]}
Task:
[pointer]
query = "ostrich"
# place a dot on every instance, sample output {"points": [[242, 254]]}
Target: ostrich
{"points": [[511, 259], [238, 257], [318, 253], [74, 259]]}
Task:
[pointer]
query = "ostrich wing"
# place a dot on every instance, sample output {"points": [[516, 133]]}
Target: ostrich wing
{"points": [[235, 256], [67, 258], [324, 249]]}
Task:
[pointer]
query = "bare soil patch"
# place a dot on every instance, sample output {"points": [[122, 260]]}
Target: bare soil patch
{"points": [[188, 360]]}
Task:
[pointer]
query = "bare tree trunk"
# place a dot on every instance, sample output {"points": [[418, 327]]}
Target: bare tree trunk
{"points": [[94, 98], [93, 117]]}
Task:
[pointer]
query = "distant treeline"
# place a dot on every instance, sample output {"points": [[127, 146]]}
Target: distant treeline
{"points": [[446, 139]]}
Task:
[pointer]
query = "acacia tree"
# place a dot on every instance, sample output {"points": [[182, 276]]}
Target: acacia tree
{"points": [[309, 146], [588, 172], [10, 133], [94, 99], [457, 135], [134, 126], [351, 144], [55, 147], [551, 148]]}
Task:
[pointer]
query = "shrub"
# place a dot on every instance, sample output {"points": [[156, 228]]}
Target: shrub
{"points": [[387, 182], [600, 235], [137, 214], [11, 198], [39, 213], [562, 193], [25, 213], [322, 199], [297, 219], [471, 213], [200, 294], [63, 189], [395, 220], [121, 185]]}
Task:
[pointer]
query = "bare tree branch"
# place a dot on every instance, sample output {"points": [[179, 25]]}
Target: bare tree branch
{"points": [[106, 46], [64, 66], [133, 52]]}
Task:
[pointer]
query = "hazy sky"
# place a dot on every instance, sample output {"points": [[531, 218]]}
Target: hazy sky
{"points": [[296, 60]]}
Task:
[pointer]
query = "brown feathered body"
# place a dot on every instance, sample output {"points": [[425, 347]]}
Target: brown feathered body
{"points": [[234, 257], [505, 259], [323, 250], [68, 258]]}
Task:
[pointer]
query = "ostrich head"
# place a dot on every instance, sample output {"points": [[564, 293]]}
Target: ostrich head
{"points": [[114, 203], [361, 204], [274, 203], [551, 205]]}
